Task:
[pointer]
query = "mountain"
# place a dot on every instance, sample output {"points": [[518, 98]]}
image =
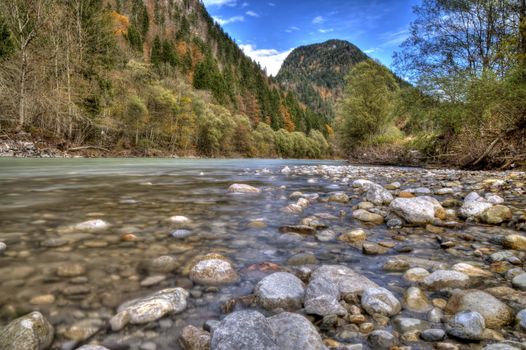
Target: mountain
{"points": [[316, 73]]}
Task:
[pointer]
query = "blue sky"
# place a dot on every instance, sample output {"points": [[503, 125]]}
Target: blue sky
{"points": [[267, 30]]}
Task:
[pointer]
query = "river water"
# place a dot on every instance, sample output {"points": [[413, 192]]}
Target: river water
{"points": [[41, 199]]}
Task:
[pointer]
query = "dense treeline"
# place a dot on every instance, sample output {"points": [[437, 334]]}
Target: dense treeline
{"points": [[143, 75], [467, 60]]}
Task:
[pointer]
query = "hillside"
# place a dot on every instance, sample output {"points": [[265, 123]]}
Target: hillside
{"points": [[317, 73], [141, 76]]}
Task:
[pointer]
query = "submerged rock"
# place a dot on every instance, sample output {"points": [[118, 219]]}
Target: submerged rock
{"points": [[366, 216], [213, 270], [280, 290], [496, 314], [347, 281], [243, 188], [468, 325], [416, 300], [497, 215], [3, 247], [90, 225], [29, 332], [293, 331], [519, 282], [150, 308], [441, 279], [193, 338], [381, 339]]}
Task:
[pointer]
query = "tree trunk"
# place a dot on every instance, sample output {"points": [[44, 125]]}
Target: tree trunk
{"points": [[22, 91]]}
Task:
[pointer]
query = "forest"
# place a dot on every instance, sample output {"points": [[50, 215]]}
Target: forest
{"points": [[143, 78]]}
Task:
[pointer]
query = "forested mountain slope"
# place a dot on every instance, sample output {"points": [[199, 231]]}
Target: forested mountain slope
{"points": [[143, 74]]}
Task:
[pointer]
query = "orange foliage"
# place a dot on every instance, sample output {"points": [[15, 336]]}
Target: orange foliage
{"points": [[287, 118], [330, 130], [121, 23]]}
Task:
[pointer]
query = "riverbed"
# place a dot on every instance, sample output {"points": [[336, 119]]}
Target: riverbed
{"points": [[78, 276]]}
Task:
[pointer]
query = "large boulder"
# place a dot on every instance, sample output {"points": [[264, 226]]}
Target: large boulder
{"points": [[150, 308], [293, 331], [244, 330], [280, 290], [441, 279], [419, 210], [29, 332], [380, 301], [496, 314], [467, 325], [213, 270]]}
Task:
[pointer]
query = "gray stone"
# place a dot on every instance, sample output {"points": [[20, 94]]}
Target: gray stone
{"points": [[519, 282], [378, 195], [322, 298], [441, 279], [280, 290], [3, 247], [339, 197], [366, 216], [432, 335], [435, 315], [243, 189], [419, 210], [293, 331], [501, 346], [468, 325], [29, 332], [213, 270], [193, 338], [381, 339], [474, 207], [244, 330], [496, 314], [326, 235], [347, 281], [380, 301], [302, 259], [84, 329], [406, 324], [164, 264], [150, 308], [92, 347], [520, 319]]}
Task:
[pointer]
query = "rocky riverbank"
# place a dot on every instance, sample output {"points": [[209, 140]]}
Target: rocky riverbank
{"points": [[374, 258]]}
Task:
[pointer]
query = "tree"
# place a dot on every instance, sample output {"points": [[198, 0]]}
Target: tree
{"points": [[368, 103]]}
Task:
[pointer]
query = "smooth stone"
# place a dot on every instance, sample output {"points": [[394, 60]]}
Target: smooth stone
{"points": [[435, 315], [362, 184], [244, 330], [432, 335], [406, 324], [416, 300], [380, 301], [150, 308], [326, 235], [471, 271], [91, 225], [84, 329], [181, 234], [520, 319], [243, 188], [71, 270], [46, 299], [474, 209], [501, 346], [293, 331], [3, 247], [301, 229], [381, 339], [416, 274], [441, 279], [180, 220], [519, 282], [493, 198], [497, 215], [353, 236], [419, 210], [213, 270], [302, 259], [366, 216], [29, 332], [369, 248], [280, 290], [193, 338], [378, 195], [92, 347], [163, 264], [339, 197], [496, 314], [515, 242], [468, 325], [152, 280], [347, 280], [322, 298]]}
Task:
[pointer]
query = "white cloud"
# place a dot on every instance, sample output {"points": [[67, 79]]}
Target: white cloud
{"points": [[220, 3], [252, 14], [270, 59], [392, 39], [225, 21], [243, 5], [291, 29], [318, 20], [271, 4], [323, 30]]}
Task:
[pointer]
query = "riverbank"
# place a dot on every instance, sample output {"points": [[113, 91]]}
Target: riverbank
{"points": [[172, 254]]}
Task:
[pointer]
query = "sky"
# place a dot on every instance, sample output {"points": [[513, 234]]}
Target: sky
{"points": [[268, 30]]}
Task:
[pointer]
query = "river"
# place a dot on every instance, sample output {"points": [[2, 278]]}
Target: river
{"points": [[72, 275]]}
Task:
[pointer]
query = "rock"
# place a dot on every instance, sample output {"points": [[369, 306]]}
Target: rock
{"points": [[339, 197], [362, 184], [180, 220], [213, 270], [347, 281], [378, 195], [493, 198], [92, 347], [29, 332], [370, 248], [152, 280], [243, 189], [380, 301], [303, 259], [84, 329], [419, 210], [474, 206], [293, 209], [366, 216], [163, 264], [381, 339], [90, 225], [406, 324], [301, 229], [496, 314], [293, 331], [193, 338], [286, 170], [244, 330], [519, 282], [435, 315], [181, 234], [497, 215], [3, 247], [441, 279], [471, 270], [46, 299], [467, 325], [515, 242], [416, 274], [432, 335], [322, 298], [501, 346], [416, 300], [353, 236], [326, 235], [150, 308], [280, 290], [71, 270], [520, 319]]}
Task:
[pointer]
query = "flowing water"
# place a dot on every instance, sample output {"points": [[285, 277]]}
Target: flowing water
{"points": [[41, 199]]}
